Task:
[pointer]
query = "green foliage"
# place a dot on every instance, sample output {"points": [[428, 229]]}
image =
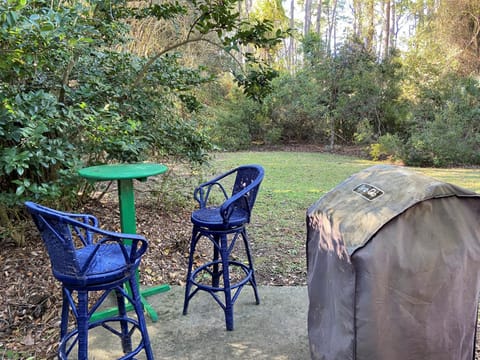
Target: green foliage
{"points": [[298, 109], [163, 11], [141, 120], [365, 90], [36, 156], [365, 133], [70, 96], [220, 20], [91, 86], [257, 82], [67, 99], [236, 120], [388, 147], [256, 78], [443, 129], [338, 97], [445, 124]]}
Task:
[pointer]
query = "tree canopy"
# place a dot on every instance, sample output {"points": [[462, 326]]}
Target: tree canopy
{"points": [[72, 92]]}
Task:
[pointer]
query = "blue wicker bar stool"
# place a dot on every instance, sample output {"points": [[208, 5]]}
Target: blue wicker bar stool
{"points": [[223, 225], [85, 258]]}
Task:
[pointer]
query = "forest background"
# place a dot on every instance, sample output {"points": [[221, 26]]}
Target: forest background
{"points": [[88, 82]]}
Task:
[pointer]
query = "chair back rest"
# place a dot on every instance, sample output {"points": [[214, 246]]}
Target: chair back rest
{"points": [[248, 177], [56, 232]]}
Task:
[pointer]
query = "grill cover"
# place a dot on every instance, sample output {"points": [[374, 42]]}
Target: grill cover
{"points": [[393, 260]]}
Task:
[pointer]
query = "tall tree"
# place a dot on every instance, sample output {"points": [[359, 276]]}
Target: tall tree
{"points": [[291, 39], [331, 29], [357, 10], [386, 28], [370, 27], [318, 21], [307, 23]]}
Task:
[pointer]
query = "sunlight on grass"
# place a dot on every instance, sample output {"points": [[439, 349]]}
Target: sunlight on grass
{"points": [[466, 178], [298, 173], [293, 182]]}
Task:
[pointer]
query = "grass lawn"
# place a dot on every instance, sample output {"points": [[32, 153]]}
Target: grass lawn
{"points": [[294, 181]]}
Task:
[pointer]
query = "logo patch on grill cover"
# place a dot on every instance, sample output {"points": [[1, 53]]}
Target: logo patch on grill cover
{"points": [[368, 191]]}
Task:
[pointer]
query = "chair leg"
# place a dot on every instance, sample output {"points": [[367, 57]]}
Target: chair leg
{"points": [[137, 304], [226, 281], [253, 282], [82, 325], [65, 313], [125, 337], [215, 273], [221, 257], [188, 284]]}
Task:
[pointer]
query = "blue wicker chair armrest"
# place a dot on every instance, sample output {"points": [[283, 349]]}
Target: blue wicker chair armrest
{"points": [[228, 206], [202, 193], [131, 252], [86, 219], [138, 246]]}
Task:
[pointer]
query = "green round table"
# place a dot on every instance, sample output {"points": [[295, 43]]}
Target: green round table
{"points": [[124, 174]]}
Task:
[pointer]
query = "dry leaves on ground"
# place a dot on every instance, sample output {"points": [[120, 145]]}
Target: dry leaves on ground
{"points": [[31, 297]]}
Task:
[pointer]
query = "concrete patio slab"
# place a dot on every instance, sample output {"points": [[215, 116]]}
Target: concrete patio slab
{"points": [[275, 330]]}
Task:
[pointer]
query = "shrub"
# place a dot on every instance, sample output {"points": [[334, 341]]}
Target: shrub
{"points": [[450, 134], [387, 147], [67, 99], [236, 121]]}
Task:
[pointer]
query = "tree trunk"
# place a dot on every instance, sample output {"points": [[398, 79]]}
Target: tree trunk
{"points": [[332, 23], [248, 7], [386, 29], [394, 26], [369, 45], [308, 17], [319, 19], [291, 46]]}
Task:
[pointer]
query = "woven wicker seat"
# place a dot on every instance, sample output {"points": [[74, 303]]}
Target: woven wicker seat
{"points": [[223, 224], [85, 258]]}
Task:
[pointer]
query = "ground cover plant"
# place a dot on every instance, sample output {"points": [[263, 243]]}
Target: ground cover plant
{"points": [[294, 180]]}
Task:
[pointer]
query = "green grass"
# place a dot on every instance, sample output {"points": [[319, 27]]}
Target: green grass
{"points": [[294, 181]]}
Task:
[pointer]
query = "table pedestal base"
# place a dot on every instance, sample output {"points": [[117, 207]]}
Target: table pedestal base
{"points": [[102, 314]]}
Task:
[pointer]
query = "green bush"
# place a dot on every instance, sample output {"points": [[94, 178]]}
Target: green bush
{"points": [[450, 134], [297, 109], [236, 121], [347, 98], [68, 100], [365, 133], [37, 158], [387, 147], [443, 143]]}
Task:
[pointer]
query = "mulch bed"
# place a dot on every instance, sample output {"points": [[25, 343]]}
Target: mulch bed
{"points": [[31, 297]]}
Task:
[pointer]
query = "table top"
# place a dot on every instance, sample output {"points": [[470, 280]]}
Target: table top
{"points": [[122, 171]]}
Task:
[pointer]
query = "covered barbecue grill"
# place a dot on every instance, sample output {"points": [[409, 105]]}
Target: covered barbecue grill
{"points": [[393, 262]]}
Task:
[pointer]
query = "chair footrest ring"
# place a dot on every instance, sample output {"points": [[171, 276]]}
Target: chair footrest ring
{"points": [[205, 268], [65, 347]]}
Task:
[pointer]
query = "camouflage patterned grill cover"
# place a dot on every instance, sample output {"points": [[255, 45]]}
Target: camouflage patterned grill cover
{"points": [[393, 260]]}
